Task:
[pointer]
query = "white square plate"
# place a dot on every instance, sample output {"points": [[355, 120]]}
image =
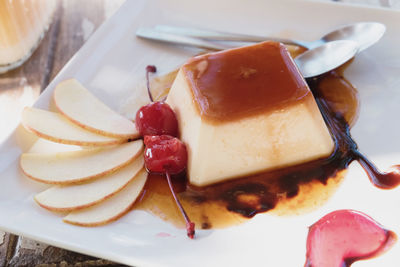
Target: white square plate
{"points": [[111, 64]]}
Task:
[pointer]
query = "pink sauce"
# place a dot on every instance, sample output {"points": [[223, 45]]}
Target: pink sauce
{"points": [[345, 236]]}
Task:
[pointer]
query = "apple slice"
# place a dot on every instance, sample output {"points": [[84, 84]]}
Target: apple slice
{"points": [[112, 208], [54, 127], [84, 109], [78, 166], [44, 146], [73, 197]]}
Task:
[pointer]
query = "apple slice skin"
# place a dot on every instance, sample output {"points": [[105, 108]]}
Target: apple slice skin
{"points": [[124, 200], [47, 198], [80, 136], [75, 160], [344, 236], [71, 92]]}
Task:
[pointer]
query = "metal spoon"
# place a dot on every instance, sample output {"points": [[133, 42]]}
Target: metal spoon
{"points": [[312, 63], [364, 33], [326, 57]]}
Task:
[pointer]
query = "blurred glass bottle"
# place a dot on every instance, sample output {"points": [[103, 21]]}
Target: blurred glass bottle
{"points": [[22, 26]]}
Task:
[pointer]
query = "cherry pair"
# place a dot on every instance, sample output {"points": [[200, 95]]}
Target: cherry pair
{"points": [[164, 152]]}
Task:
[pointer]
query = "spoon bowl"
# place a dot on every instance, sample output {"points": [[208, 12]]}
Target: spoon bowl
{"points": [[364, 33], [325, 57]]}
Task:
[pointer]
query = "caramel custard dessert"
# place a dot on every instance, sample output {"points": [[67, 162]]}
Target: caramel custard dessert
{"points": [[255, 137], [246, 110]]}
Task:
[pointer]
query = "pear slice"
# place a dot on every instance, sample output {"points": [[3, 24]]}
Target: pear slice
{"points": [[44, 146], [79, 196], [54, 127], [81, 107], [78, 166], [112, 208]]}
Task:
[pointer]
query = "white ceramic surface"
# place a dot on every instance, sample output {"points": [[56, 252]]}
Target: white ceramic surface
{"points": [[111, 64]]}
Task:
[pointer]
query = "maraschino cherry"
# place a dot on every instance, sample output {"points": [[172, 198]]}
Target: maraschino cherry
{"points": [[164, 152], [156, 118], [167, 154]]}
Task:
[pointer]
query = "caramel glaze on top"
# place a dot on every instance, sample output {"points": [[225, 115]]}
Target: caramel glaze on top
{"points": [[245, 81]]}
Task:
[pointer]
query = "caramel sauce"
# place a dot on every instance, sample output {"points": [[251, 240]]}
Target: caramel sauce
{"points": [[340, 95], [243, 82]]}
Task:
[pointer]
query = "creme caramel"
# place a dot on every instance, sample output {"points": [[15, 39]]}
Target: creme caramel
{"points": [[244, 111]]}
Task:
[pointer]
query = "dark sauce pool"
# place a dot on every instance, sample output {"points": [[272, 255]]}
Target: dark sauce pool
{"points": [[289, 191]]}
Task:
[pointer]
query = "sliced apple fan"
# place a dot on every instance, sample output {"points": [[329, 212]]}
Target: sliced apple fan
{"points": [[96, 184]]}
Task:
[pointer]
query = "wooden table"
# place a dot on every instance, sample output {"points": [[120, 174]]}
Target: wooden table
{"points": [[74, 22]]}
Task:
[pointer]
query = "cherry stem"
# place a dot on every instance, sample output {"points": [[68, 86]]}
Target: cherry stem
{"points": [[152, 69], [190, 226]]}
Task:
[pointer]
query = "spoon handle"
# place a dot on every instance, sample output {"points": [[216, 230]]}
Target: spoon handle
{"points": [[222, 36], [157, 35]]}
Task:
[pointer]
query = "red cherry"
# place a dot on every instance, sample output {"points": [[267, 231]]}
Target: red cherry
{"points": [[164, 154], [156, 118], [344, 236], [167, 154]]}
